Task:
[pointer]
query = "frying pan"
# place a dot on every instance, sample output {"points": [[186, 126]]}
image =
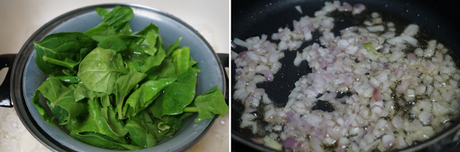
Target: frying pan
{"points": [[254, 18]]}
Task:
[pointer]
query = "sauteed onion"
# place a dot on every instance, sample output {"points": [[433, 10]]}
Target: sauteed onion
{"points": [[385, 89]]}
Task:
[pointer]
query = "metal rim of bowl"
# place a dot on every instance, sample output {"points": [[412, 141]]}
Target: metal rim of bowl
{"points": [[22, 57]]}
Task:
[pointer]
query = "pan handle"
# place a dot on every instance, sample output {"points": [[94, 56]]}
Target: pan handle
{"points": [[224, 59], [6, 60]]}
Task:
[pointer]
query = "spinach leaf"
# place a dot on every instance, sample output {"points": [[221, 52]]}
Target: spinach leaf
{"points": [[174, 46], [153, 61], [174, 122], [106, 101], [149, 43], [113, 43], [99, 120], [150, 48], [116, 18], [165, 70], [135, 66], [194, 65], [175, 96], [60, 100], [100, 32], [82, 92], [211, 101], [125, 29], [100, 69], [139, 134], [144, 96], [123, 86], [40, 108], [181, 59], [100, 140], [109, 114], [59, 47], [104, 30]]}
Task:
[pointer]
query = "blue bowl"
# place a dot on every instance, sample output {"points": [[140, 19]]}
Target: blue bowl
{"points": [[26, 77]]}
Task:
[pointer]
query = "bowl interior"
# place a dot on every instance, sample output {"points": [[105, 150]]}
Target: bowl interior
{"points": [[171, 29]]}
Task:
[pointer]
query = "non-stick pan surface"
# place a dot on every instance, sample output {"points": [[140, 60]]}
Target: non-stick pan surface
{"points": [[254, 18]]}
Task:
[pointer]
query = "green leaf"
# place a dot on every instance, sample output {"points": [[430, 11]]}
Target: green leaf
{"points": [[211, 101], [124, 85], [109, 114], [174, 46], [61, 46], [147, 53], [173, 121], [194, 65], [82, 92], [40, 108], [98, 121], [116, 18], [100, 69], [153, 61], [100, 32], [125, 29], [135, 66], [144, 95], [181, 60], [148, 44], [113, 43], [139, 134], [175, 96], [165, 70], [60, 100], [102, 141]]}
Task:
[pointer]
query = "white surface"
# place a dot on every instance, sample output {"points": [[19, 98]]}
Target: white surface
{"points": [[20, 18]]}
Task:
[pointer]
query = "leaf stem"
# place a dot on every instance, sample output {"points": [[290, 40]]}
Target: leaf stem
{"points": [[59, 62], [190, 109]]}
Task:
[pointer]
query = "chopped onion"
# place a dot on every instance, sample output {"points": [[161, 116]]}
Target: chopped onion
{"points": [[384, 90], [298, 9], [358, 8]]}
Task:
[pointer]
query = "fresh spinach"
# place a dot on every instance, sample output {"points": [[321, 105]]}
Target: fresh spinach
{"points": [[100, 32], [181, 59], [113, 43], [82, 92], [116, 18], [175, 96], [115, 22], [60, 100], [100, 69], [211, 101], [139, 133], [55, 49], [97, 121], [99, 140], [165, 70], [144, 95], [116, 89], [123, 86]]}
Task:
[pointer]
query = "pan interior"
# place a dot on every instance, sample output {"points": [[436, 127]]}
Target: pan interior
{"points": [[251, 18]]}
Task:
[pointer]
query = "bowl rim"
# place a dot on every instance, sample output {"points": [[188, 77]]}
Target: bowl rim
{"points": [[16, 92]]}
